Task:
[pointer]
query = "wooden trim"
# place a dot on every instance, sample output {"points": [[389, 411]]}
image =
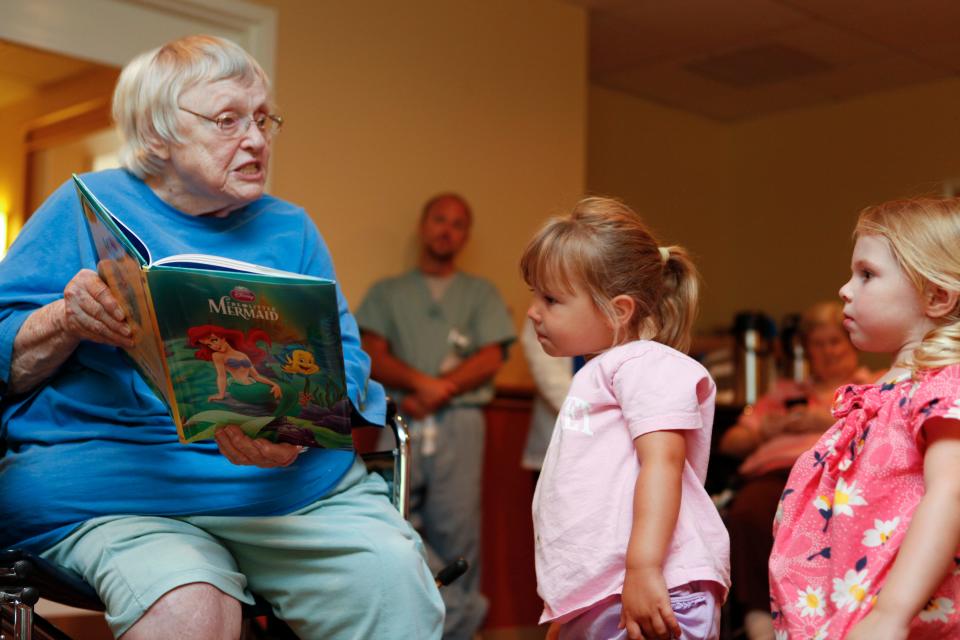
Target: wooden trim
{"points": [[513, 398], [68, 124]]}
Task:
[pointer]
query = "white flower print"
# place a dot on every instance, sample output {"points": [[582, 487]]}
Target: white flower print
{"points": [[822, 503], [831, 443], [810, 601], [954, 411], [780, 634], [881, 532], [851, 591], [938, 609], [846, 496], [822, 632]]}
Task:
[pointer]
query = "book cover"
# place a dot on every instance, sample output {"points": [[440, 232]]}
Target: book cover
{"points": [[225, 342]]}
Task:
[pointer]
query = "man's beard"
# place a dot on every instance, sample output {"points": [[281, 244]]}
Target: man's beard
{"points": [[441, 256]]}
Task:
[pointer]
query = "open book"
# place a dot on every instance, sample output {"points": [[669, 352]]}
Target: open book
{"points": [[227, 342]]}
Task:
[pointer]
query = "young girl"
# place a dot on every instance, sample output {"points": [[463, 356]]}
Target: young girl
{"points": [[869, 523], [627, 540]]}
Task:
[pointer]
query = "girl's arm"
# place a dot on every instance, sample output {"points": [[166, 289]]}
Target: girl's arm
{"points": [[656, 505], [928, 549]]}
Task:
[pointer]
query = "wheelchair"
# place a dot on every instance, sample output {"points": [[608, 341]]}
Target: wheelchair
{"points": [[26, 577]]}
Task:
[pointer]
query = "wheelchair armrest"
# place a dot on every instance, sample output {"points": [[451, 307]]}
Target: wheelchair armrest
{"points": [[22, 569], [393, 464]]}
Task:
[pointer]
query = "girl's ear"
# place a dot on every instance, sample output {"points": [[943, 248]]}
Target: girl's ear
{"points": [[940, 302], [623, 309]]}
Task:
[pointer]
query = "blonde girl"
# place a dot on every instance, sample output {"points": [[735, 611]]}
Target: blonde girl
{"points": [[627, 540], [869, 523]]}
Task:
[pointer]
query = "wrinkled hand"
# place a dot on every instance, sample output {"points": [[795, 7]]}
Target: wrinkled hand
{"points": [[806, 420], [241, 449], [90, 312], [647, 613]]}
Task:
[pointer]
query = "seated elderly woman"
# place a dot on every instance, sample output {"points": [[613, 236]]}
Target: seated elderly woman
{"points": [[174, 537], [770, 435]]}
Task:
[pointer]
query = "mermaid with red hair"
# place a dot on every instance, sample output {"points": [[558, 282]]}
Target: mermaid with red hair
{"points": [[231, 351]]}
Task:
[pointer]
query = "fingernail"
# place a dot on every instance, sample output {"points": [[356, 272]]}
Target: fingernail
{"points": [[118, 314]]}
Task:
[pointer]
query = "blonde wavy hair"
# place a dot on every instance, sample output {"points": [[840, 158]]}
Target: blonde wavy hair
{"points": [[146, 98], [924, 236], [605, 248]]}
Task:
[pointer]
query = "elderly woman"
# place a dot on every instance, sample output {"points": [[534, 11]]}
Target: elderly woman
{"points": [[770, 435], [174, 537]]}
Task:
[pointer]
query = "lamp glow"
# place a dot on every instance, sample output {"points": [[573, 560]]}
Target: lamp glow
{"points": [[3, 232]]}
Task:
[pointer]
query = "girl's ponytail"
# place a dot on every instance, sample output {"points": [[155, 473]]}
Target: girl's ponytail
{"points": [[605, 247], [677, 307]]}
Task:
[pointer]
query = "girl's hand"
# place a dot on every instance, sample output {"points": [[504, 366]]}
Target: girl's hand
{"points": [[276, 391], [646, 606], [880, 626]]}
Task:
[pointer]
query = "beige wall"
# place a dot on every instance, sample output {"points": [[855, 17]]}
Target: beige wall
{"points": [[768, 205], [387, 105], [675, 169]]}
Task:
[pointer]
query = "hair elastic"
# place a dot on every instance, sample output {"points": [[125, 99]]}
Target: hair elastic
{"points": [[664, 254]]}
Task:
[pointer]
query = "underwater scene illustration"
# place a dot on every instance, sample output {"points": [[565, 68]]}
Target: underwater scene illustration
{"points": [[264, 356]]}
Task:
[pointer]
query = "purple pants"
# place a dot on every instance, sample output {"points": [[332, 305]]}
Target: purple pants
{"points": [[696, 606]]}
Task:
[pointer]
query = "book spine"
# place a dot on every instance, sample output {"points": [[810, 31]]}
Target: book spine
{"points": [[167, 389]]}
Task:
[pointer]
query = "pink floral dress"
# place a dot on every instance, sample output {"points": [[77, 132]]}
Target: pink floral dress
{"points": [[847, 505]]}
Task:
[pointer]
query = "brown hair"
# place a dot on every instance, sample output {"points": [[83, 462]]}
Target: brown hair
{"points": [[604, 247]]}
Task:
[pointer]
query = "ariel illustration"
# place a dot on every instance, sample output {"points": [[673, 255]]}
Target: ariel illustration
{"points": [[232, 352]]}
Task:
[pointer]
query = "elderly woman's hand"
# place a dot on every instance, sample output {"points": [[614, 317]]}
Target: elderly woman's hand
{"points": [[241, 449], [90, 312]]}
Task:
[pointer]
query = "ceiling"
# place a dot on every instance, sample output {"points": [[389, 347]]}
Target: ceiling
{"points": [[739, 59], [724, 59], [24, 69]]}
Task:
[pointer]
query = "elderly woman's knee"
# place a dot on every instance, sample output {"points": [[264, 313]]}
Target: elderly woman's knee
{"points": [[198, 610]]}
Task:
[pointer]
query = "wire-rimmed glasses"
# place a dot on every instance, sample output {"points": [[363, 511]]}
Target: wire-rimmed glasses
{"points": [[232, 125]]}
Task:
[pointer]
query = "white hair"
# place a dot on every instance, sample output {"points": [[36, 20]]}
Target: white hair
{"points": [[146, 98]]}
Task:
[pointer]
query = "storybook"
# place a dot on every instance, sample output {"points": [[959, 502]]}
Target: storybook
{"points": [[227, 342]]}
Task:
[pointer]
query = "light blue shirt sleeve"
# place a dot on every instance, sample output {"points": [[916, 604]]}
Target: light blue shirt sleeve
{"points": [[367, 395]]}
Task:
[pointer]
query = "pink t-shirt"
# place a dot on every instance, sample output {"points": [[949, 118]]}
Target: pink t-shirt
{"points": [[583, 506], [847, 506]]}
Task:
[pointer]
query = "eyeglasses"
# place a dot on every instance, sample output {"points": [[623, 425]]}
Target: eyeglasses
{"points": [[234, 126]]}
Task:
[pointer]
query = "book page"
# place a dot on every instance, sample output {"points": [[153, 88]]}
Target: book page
{"points": [[218, 263]]}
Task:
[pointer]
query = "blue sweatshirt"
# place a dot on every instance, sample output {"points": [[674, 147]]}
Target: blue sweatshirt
{"points": [[93, 439]]}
